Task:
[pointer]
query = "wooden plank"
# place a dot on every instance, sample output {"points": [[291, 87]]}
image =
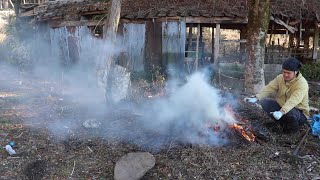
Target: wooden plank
{"points": [[315, 42], [153, 45], [173, 46], [134, 36], [56, 24], [217, 20], [216, 44]]}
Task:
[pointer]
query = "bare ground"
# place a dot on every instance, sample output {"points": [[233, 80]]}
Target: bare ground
{"points": [[28, 106]]}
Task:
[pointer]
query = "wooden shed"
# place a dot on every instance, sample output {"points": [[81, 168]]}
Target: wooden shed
{"points": [[181, 34]]}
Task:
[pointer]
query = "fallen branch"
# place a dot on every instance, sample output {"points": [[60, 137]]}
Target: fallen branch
{"points": [[301, 142]]}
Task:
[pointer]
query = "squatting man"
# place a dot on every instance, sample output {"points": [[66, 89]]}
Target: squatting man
{"points": [[290, 108]]}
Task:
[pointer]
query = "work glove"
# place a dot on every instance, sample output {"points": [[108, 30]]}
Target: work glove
{"points": [[277, 114], [250, 100]]}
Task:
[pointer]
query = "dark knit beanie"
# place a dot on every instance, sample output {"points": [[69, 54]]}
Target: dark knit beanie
{"points": [[291, 64]]}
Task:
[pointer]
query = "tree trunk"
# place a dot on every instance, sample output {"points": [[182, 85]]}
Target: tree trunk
{"points": [[110, 30], [112, 24], [258, 21]]}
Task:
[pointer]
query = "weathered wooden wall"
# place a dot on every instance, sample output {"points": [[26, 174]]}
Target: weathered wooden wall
{"points": [[153, 48], [134, 45], [173, 46]]}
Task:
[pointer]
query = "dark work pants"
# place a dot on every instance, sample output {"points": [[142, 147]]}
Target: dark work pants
{"points": [[289, 121]]}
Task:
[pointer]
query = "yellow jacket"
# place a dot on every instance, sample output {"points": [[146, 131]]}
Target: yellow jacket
{"points": [[288, 94]]}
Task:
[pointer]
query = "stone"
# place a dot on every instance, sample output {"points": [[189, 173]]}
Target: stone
{"points": [[133, 166]]}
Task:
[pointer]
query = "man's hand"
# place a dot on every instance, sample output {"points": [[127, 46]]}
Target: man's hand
{"points": [[277, 114], [250, 100]]}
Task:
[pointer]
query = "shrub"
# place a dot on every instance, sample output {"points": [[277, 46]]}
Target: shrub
{"points": [[311, 71]]}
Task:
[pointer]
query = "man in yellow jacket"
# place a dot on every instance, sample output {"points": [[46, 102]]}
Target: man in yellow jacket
{"points": [[291, 104]]}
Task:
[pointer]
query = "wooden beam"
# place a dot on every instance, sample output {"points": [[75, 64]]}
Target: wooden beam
{"points": [[197, 48], [217, 44], [94, 12], [226, 21], [216, 20], [315, 42], [279, 21], [56, 24], [136, 21]]}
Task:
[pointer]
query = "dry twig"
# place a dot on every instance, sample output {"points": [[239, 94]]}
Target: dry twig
{"points": [[74, 164]]}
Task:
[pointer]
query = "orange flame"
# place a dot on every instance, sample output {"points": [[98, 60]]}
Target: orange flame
{"points": [[245, 133], [249, 136]]}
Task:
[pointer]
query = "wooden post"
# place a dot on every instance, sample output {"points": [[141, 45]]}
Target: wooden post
{"points": [[201, 45], [197, 47], [306, 42], [243, 36], [216, 44], [212, 43], [189, 40], [299, 36], [315, 42], [271, 33]]}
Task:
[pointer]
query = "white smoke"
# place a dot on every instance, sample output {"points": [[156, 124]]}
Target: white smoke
{"points": [[183, 114], [188, 111]]}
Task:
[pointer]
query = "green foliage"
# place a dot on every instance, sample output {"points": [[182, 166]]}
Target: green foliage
{"points": [[311, 71]]}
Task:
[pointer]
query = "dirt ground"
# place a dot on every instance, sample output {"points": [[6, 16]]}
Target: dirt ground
{"points": [[28, 106]]}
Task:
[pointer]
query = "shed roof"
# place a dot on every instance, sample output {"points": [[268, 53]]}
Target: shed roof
{"points": [[148, 9]]}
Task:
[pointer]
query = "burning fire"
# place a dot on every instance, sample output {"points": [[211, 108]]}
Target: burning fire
{"points": [[245, 132]]}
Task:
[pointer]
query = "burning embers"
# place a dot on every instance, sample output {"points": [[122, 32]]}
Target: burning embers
{"points": [[244, 131], [242, 128]]}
